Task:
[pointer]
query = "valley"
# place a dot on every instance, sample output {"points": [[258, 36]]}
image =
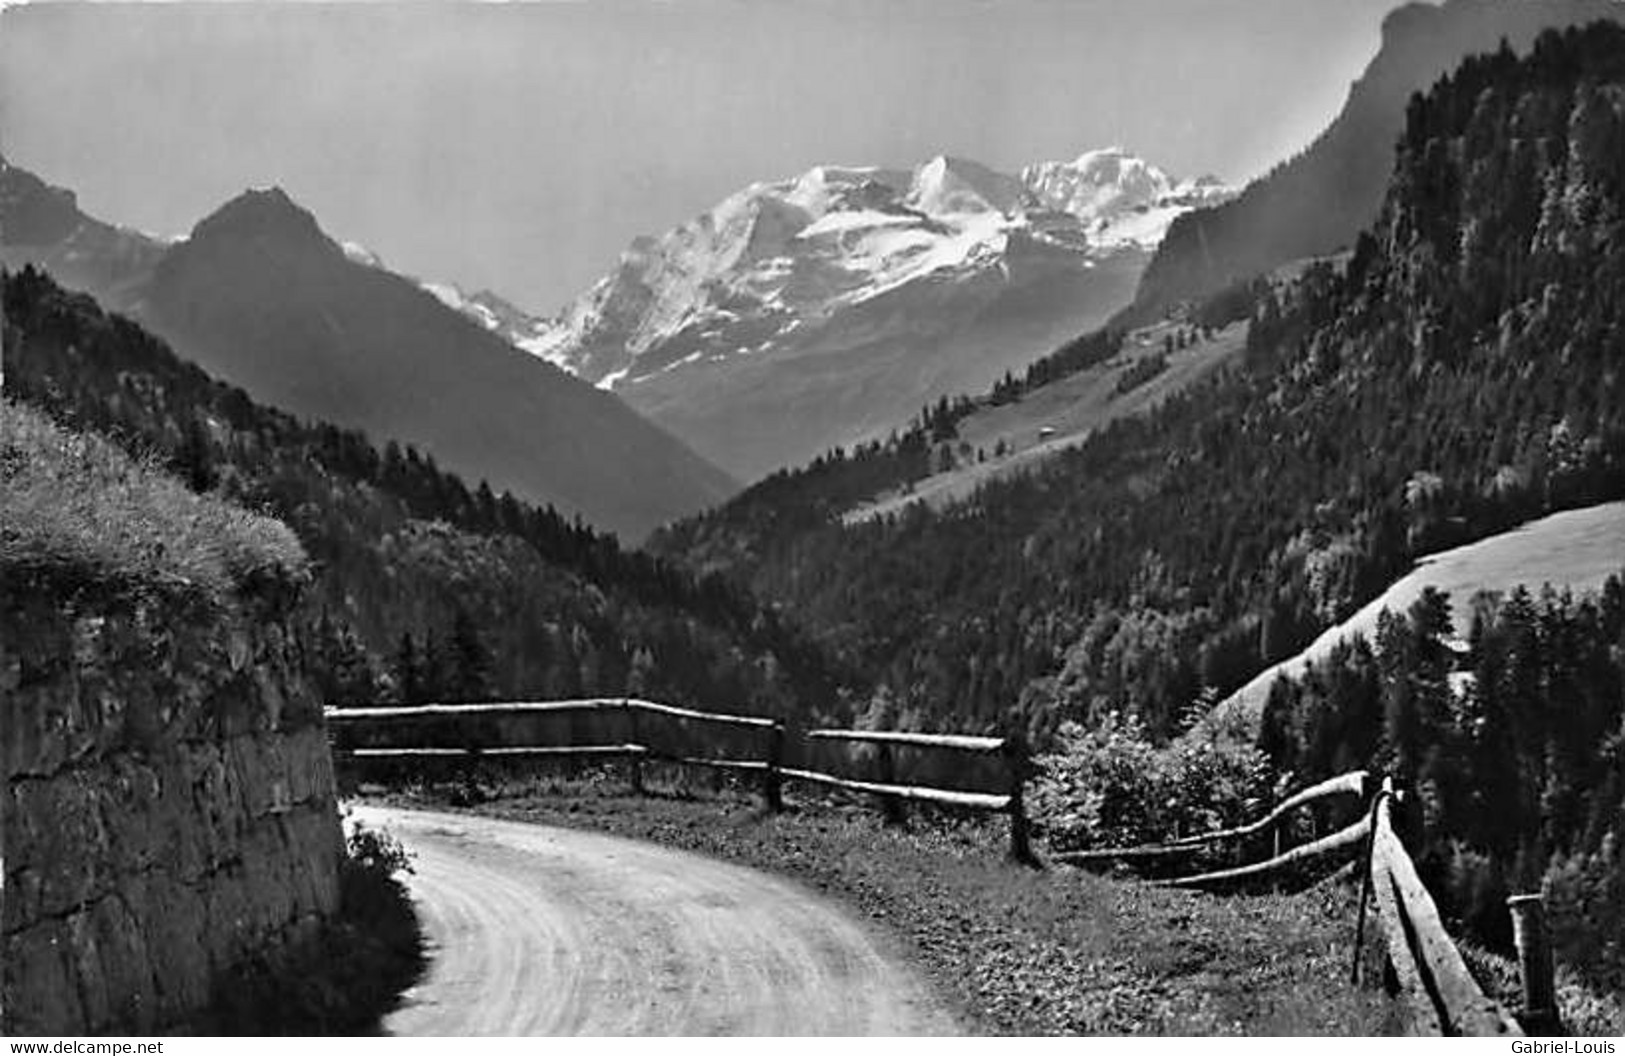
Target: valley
{"points": [[1100, 474], [819, 311], [260, 296]]}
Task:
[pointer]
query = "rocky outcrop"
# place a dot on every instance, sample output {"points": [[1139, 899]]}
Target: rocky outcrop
{"points": [[168, 804]]}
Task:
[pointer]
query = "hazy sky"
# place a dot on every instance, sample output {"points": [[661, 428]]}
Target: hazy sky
{"points": [[521, 146]]}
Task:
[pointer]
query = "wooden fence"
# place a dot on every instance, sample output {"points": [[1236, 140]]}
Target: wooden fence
{"points": [[1437, 989], [1353, 784], [1437, 992], [643, 731]]}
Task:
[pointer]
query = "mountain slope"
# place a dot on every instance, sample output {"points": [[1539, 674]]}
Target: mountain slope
{"points": [[43, 225], [260, 296], [423, 584], [1319, 200], [1460, 374], [1574, 550], [817, 311]]}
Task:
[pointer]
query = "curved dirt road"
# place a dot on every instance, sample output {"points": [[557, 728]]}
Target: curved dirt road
{"points": [[544, 931]]}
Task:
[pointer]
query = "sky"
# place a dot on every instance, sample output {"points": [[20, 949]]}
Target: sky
{"points": [[521, 146]]}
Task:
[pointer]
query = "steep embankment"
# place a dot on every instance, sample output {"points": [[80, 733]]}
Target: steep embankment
{"points": [[1575, 550]]}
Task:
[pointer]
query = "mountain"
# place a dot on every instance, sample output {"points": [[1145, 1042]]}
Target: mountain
{"points": [[43, 225], [1319, 200], [532, 333], [261, 297], [811, 312], [423, 584], [1120, 197], [1457, 374]]}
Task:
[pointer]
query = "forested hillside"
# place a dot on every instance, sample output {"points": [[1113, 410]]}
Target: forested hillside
{"points": [[1515, 748], [1461, 374], [1317, 201], [428, 587]]}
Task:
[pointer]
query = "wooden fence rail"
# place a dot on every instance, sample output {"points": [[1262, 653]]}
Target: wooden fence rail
{"points": [[1434, 982], [348, 716], [1353, 783], [642, 717], [1344, 839], [1434, 986]]}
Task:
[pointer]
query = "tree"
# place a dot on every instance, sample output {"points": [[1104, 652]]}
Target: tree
{"points": [[470, 660], [194, 459], [408, 671]]}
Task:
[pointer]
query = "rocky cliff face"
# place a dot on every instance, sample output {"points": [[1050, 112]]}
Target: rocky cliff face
{"points": [[168, 807]]}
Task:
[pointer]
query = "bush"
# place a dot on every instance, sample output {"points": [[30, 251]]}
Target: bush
{"points": [[1110, 786], [375, 851], [1585, 906], [345, 982]]}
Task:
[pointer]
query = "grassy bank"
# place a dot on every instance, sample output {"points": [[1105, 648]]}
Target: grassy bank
{"points": [[75, 510], [1020, 951]]}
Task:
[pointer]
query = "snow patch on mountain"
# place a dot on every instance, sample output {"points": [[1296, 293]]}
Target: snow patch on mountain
{"points": [[774, 263], [1124, 198], [367, 258]]}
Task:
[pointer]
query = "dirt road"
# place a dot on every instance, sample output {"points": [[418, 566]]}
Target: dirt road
{"points": [[544, 931]]}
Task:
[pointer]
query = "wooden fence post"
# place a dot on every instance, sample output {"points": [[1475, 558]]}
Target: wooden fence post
{"points": [[1540, 1013], [891, 807], [1015, 758], [634, 766], [345, 778], [772, 780], [1376, 796]]}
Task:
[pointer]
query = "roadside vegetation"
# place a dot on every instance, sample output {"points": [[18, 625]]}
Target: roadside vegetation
{"points": [[77, 510], [352, 976]]}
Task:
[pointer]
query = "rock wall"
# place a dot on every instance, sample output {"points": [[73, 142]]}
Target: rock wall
{"points": [[168, 810]]}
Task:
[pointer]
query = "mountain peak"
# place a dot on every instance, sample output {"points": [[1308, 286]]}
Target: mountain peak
{"points": [[947, 184], [260, 213]]}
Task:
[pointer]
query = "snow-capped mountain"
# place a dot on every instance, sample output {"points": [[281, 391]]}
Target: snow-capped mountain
{"points": [[532, 333], [1123, 198], [815, 311]]}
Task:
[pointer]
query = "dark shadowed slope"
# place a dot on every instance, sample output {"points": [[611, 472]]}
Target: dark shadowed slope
{"points": [[261, 297]]}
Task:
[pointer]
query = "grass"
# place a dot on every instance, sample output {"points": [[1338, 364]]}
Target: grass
{"points": [[76, 509], [1586, 1012], [1021, 951], [1576, 549], [1074, 407]]}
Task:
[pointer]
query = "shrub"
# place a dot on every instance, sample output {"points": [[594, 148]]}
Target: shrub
{"points": [[353, 975], [1109, 785], [1585, 904]]}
